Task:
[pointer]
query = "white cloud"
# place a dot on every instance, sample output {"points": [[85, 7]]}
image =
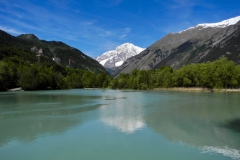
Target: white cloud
{"points": [[110, 45], [125, 33], [10, 30], [83, 28], [110, 3], [128, 30]]}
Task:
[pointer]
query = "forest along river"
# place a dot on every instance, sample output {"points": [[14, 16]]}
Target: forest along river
{"points": [[119, 124]]}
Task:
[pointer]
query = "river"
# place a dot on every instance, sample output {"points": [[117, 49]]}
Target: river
{"points": [[119, 124]]}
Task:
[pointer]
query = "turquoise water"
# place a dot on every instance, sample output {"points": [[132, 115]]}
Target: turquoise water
{"points": [[113, 124]]}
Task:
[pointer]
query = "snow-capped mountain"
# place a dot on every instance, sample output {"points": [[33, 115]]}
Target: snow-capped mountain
{"points": [[221, 24], [201, 43], [115, 58]]}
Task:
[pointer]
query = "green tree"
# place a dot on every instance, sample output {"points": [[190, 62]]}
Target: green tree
{"points": [[223, 74], [28, 78], [5, 76]]}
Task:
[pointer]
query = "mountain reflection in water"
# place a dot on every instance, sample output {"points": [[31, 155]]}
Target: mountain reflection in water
{"points": [[124, 115], [28, 115], [206, 122], [112, 124]]}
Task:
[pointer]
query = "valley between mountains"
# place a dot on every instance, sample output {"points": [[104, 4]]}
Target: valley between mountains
{"points": [[204, 56], [198, 44]]}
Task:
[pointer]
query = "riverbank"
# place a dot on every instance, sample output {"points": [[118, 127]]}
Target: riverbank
{"points": [[181, 89], [195, 89]]}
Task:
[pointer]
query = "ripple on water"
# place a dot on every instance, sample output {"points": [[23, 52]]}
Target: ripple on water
{"points": [[225, 151]]}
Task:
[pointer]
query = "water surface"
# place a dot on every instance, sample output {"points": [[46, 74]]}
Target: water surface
{"points": [[113, 124]]}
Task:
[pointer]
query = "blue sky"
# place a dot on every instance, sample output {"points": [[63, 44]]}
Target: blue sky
{"points": [[96, 26]]}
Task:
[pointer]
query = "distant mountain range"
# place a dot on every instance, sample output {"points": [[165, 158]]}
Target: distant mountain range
{"points": [[28, 47], [201, 43], [115, 58]]}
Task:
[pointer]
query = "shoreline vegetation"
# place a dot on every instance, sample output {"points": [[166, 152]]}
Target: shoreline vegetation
{"points": [[185, 89], [218, 76], [180, 89], [194, 89]]}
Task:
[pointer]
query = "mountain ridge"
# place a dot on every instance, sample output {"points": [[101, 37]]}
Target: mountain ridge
{"points": [[51, 51], [177, 49], [222, 24]]}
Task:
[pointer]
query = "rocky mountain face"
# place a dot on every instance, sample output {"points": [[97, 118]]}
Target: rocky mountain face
{"points": [[30, 48], [115, 58], [28, 37], [204, 42]]}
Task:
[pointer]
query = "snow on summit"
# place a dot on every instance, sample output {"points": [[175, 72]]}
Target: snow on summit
{"points": [[221, 24], [115, 58]]}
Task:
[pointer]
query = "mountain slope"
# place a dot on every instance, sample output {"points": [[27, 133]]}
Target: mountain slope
{"points": [[224, 43], [189, 46], [27, 46], [115, 58]]}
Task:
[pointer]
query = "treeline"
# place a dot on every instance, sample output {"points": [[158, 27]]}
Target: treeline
{"points": [[15, 72], [218, 74]]}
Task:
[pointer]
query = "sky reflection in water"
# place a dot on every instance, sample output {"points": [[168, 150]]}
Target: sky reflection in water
{"points": [[204, 121]]}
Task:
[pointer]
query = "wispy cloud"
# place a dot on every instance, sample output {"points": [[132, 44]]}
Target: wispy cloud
{"points": [[173, 4], [109, 3], [85, 28], [10, 30], [110, 45], [125, 33]]}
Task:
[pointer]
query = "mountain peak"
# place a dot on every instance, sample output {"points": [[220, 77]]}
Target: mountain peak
{"points": [[127, 47], [202, 43], [28, 37], [222, 24], [115, 58]]}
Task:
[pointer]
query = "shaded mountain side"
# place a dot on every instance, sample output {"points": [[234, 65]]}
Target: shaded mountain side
{"points": [[153, 55], [224, 43], [27, 46], [228, 47], [11, 46], [196, 44], [175, 59]]}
